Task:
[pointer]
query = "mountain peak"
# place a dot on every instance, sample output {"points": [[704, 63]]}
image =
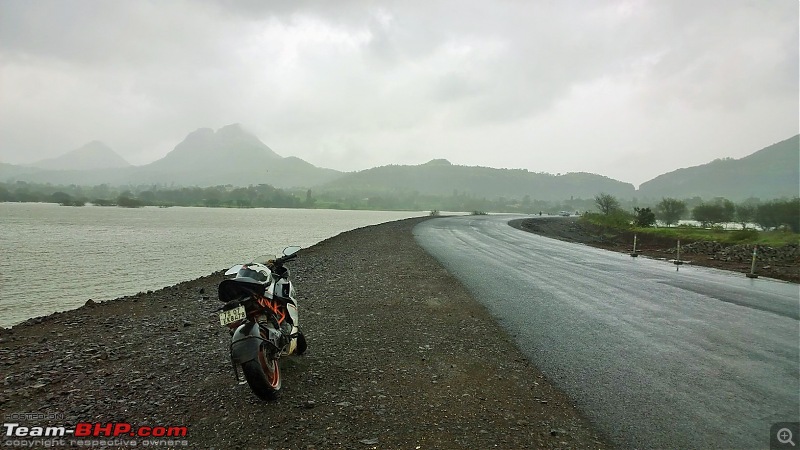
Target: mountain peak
{"points": [[438, 162], [91, 156], [206, 150], [234, 128]]}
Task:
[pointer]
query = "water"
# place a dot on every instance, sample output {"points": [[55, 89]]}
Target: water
{"points": [[54, 258]]}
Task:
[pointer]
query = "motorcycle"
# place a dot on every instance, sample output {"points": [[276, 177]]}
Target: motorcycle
{"points": [[261, 311]]}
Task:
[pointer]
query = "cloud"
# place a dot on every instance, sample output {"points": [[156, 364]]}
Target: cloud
{"points": [[547, 86]]}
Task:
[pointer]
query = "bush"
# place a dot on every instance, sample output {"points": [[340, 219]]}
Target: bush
{"points": [[616, 219], [644, 218]]}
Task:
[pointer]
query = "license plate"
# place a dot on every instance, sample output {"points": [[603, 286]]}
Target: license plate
{"points": [[232, 315]]}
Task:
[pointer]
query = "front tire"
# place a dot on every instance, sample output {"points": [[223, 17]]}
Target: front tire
{"points": [[263, 375]]}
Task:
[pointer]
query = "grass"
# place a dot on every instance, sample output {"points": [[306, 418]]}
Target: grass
{"points": [[776, 238], [769, 238]]}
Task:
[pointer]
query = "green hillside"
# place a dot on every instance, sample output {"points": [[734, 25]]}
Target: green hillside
{"points": [[771, 172], [439, 177]]}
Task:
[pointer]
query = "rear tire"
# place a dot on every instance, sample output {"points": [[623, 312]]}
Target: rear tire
{"points": [[263, 376], [302, 345]]}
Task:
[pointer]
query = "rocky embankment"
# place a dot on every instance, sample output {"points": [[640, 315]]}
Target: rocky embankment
{"points": [[781, 263], [400, 356]]}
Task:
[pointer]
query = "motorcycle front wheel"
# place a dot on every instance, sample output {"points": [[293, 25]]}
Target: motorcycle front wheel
{"points": [[263, 375]]}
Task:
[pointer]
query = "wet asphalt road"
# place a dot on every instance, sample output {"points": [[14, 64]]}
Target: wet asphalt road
{"points": [[654, 357]]}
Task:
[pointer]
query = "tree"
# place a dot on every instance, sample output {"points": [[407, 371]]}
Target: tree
{"points": [[705, 214], [746, 213], [728, 209], [62, 198], [709, 214], [670, 210], [606, 203], [644, 217], [310, 200], [5, 195], [779, 213], [127, 201]]}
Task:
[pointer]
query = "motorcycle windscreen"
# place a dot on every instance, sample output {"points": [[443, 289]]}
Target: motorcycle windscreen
{"points": [[233, 270], [234, 288]]}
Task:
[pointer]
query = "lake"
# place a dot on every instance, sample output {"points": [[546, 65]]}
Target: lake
{"points": [[55, 258]]}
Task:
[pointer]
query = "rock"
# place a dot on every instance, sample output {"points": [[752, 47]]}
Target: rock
{"points": [[90, 303], [371, 441]]}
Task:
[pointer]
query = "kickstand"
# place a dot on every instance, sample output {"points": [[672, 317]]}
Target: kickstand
{"points": [[236, 371]]}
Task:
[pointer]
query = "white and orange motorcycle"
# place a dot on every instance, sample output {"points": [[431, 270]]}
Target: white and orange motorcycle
{"points": [[261, 311]]}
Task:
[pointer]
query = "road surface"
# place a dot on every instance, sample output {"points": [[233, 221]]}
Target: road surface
{"points": [[656, 358]]}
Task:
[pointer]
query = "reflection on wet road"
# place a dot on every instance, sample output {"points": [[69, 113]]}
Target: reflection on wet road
{"points": [[656, 358]]}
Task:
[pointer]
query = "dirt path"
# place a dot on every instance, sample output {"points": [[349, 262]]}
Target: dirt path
{"points": [[400, 356]]}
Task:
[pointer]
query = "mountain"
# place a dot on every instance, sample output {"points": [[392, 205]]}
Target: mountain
{"points": [[769, 173], [14, 172], [440, 177], [205, 157], [231, 155], [94, 155]]}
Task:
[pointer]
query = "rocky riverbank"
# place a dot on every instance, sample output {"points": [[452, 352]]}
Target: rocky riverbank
{"points": [[400, 356], [780, 263]]}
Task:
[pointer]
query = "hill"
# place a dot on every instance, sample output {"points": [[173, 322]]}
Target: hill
{"points": [[233, 156], [771, 172], [94, 155], [440, 177], [230, 155]]}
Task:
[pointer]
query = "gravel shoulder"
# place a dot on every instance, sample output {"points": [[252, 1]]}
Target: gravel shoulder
{"points": [[400, 356]]}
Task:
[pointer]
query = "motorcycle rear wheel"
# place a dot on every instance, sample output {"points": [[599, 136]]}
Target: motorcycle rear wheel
{"points": [[302, 345], [263, 375]]}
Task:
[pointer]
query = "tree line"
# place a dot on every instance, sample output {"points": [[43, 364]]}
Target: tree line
{"points": [[260, 196], [767, 215]]}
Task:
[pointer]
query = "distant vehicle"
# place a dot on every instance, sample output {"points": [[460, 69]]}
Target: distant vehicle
{"points": [[565, 213]]}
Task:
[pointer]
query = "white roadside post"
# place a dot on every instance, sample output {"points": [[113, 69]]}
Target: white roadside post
{"points": [[634, 254], [752, 273], [678, 261]]}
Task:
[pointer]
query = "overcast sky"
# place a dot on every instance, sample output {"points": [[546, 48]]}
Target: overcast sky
{"points": [[626, 89]]}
